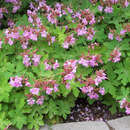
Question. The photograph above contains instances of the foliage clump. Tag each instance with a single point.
(54, 54)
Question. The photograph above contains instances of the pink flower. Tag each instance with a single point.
(93, 62)
(118, 38)
(63, 12)
(78, 15)
(26, 34)
(27, 84)
(70, 10)
(53, 39)
(35, 91)
(36, 59)
(126, 3)
(51, 18)
(110, 36)
(98, 80)
(38, 21)
(114, 1)
(67, 86)
(69, 76)
(56, 87)
(127, 110)
(49, 90)
(122, 103)
(16, 81)
(31, 101)
(0, 44)
(83, 62)
(93, 95)
(40, 100)
(26, 61)
(30, 19)
(100, 8)
(89, 89)
(70, 40)
(100, 75)
(31, 5)
(115, 55)
(102, 91)
(43, 33)
(1, 15)
(90, 37)
(24, 45)
(108, 9)
(10, 23)
(92, 21)
(10, 42)
(122, 32)
(84, 89)
(55, 65)
(15, 8)
(33, 36)
(84, 21)
(47, 66)
(81, 31)
(70, 63)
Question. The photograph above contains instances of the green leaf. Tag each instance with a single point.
(5, 88)
(113, 109)
(22, 20)
(75, 91)
(19, 120)
(64, 108)
(123, 71)
(4, 122)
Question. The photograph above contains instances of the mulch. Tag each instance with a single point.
(83, 111)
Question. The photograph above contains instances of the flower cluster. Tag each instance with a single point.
(16, 4)
(39, 100)
(46, 86)
(35, 96)
(119, 36)
(107, 5)
(28, 33)
(86, 17)
(50, 86)
(93, 45)
(70, 40)
(2, 11)
(11, 23)
(34, 91)
(90, 84)
(115, 55)
(90, 60)
(100, 75)
(81, 30)
(125, 104)
(29, 59)
(33, 18)
(19, 82)
(51, 64)
(69, 69)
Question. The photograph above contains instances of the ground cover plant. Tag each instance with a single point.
(53, 54)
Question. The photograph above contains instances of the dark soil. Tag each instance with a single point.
(83, 111)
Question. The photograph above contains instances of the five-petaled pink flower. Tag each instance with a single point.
(35, 91)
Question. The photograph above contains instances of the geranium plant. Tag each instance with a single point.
(54, 54)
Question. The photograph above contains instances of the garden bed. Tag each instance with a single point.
(83, 111)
